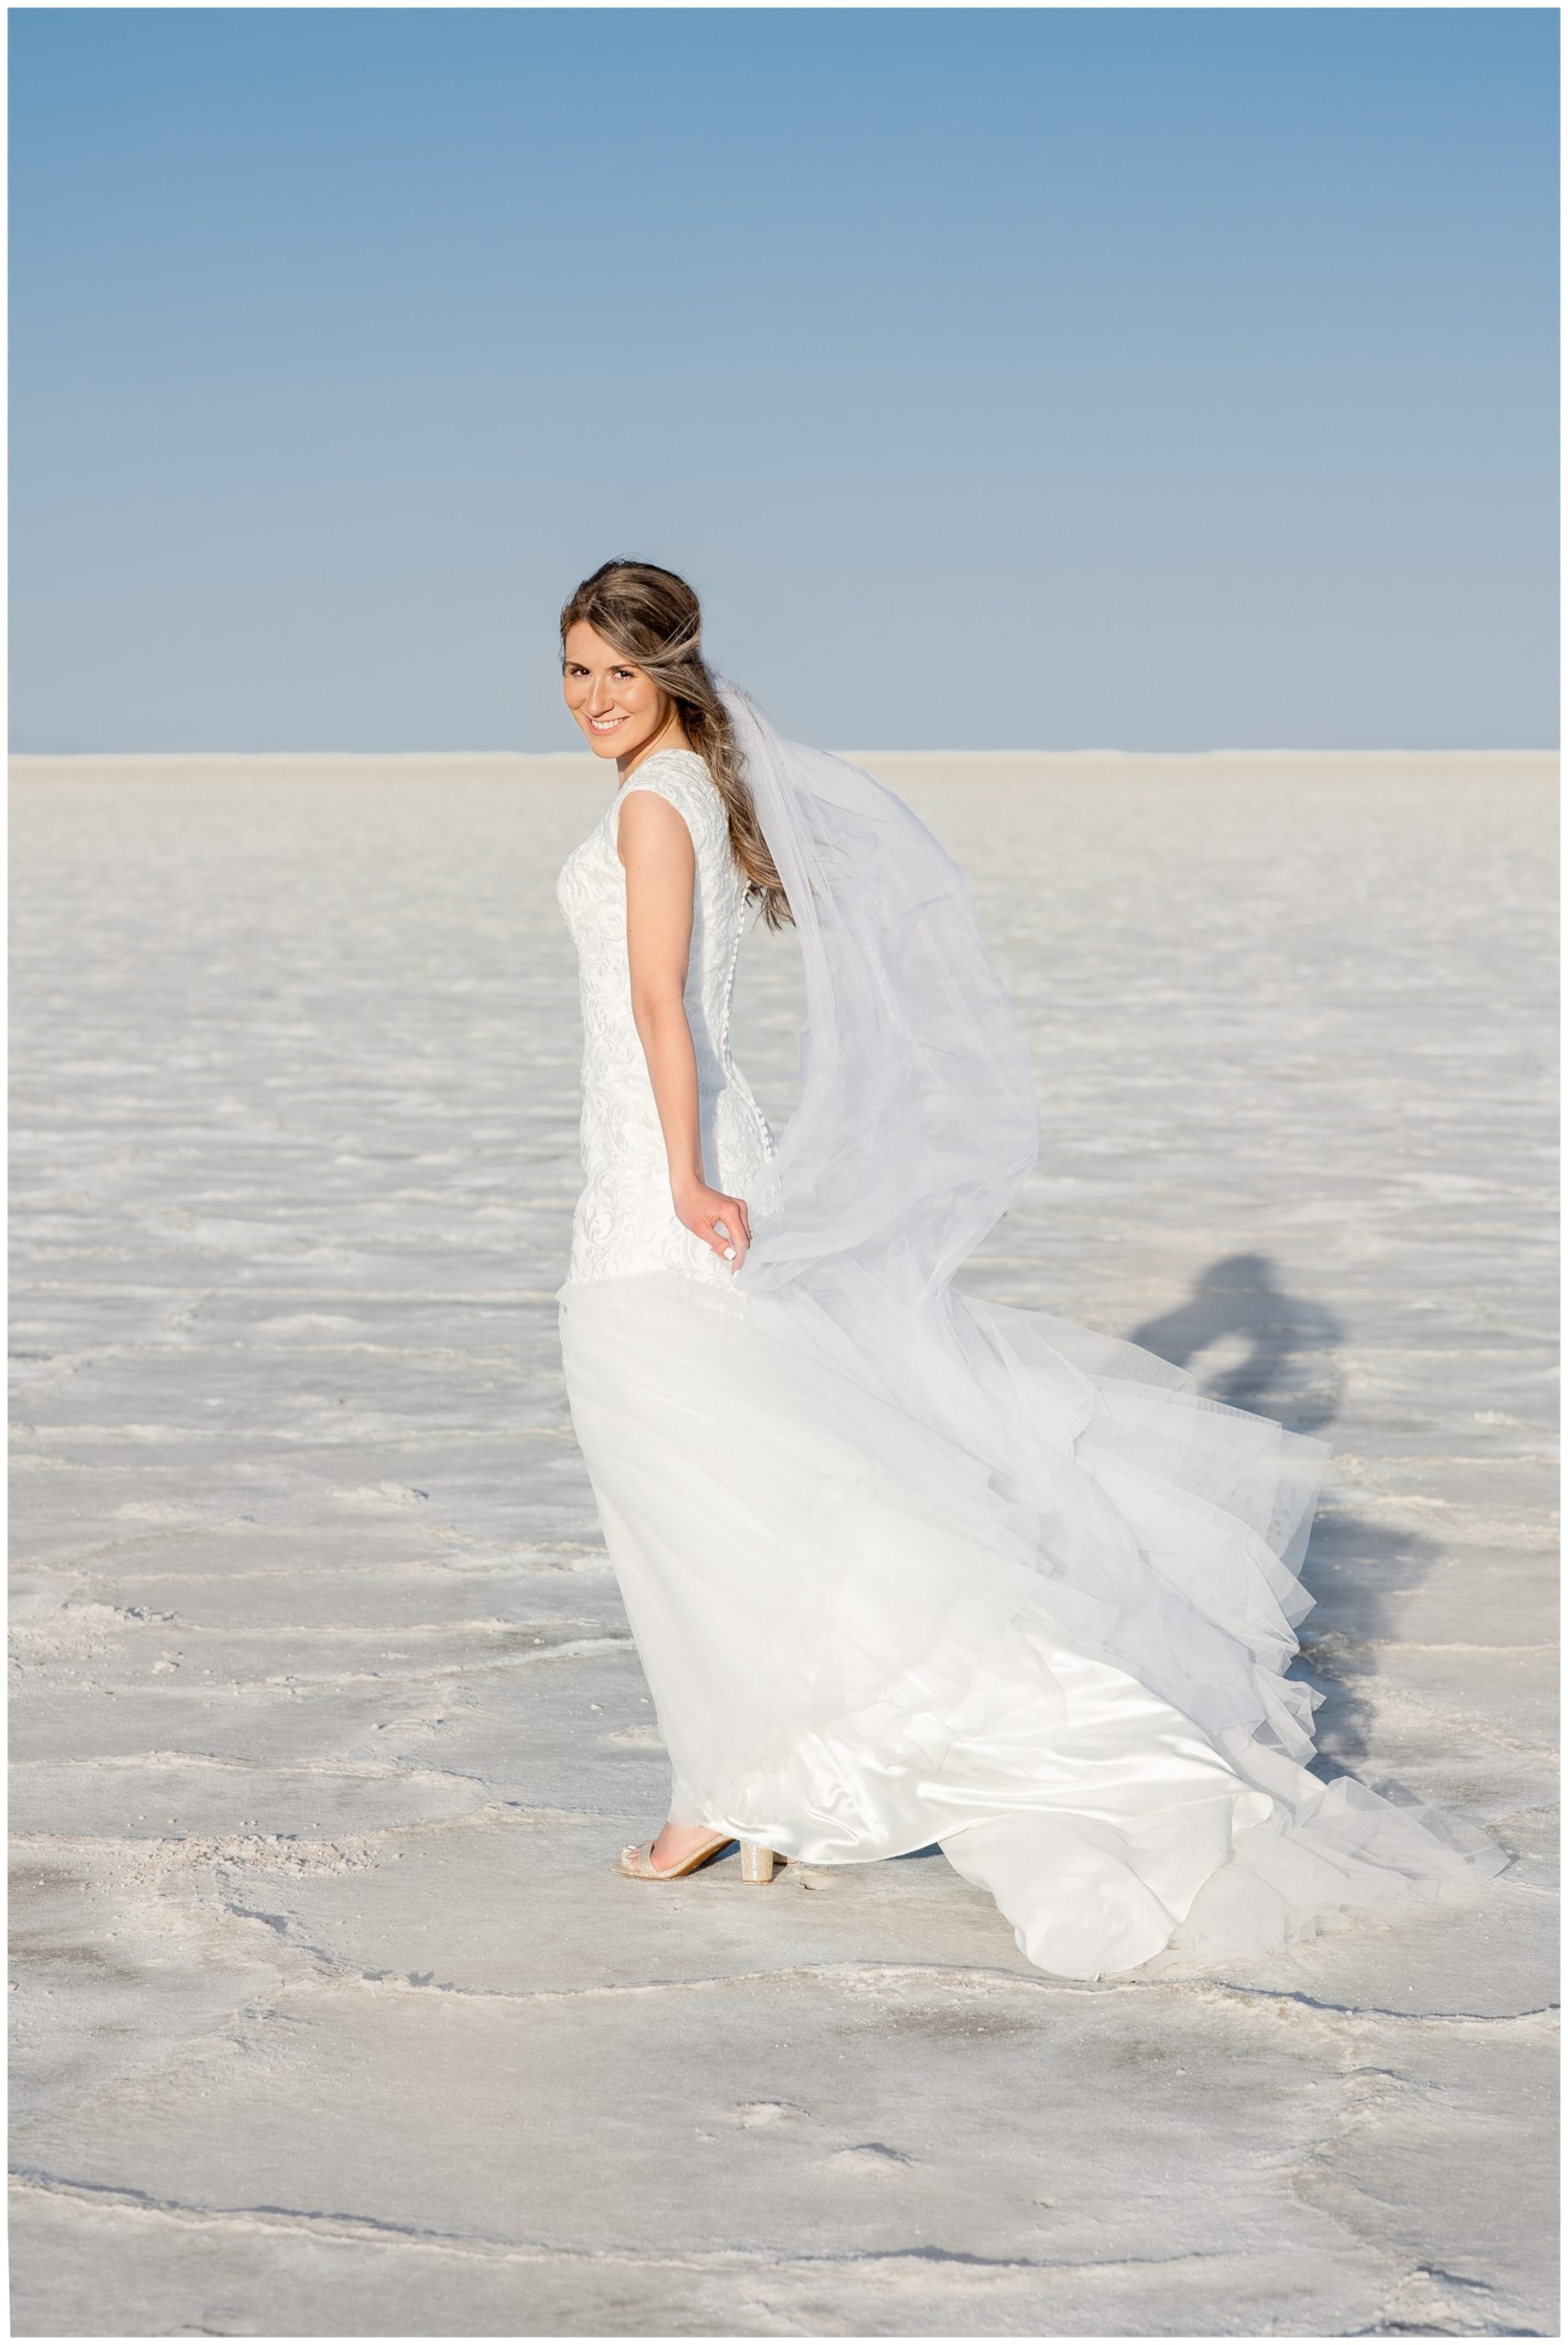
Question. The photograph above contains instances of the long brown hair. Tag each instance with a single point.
(654, 619)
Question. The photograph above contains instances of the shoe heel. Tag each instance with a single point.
(755, 1862)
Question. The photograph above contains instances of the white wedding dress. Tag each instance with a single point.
(1056, 1647)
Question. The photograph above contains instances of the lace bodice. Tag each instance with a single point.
(624, 1222)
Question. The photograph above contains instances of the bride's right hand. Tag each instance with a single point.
(719, 1221)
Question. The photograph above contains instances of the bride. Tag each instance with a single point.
(902, 1566)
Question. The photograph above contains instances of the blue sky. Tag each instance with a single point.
(1003, 378)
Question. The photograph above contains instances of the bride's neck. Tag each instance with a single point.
(671, 737)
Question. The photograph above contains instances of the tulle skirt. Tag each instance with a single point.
(1040, 1616)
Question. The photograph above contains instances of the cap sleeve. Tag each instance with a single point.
(693, 796)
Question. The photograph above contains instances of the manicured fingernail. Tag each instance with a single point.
(729, 1253)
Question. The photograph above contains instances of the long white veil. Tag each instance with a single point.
(1167, 1529)
(914, 1127)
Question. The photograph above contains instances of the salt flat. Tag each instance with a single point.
(329, 2017)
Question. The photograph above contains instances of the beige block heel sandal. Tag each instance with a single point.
(755, 1862)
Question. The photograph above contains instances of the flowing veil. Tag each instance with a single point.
(1165, 1530)
(916, 1122)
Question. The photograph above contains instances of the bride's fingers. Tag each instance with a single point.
(731, 1235)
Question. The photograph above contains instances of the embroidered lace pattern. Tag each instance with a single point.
(624, 1222)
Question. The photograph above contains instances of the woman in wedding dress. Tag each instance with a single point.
(902, 1567)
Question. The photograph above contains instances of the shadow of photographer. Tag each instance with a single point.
(1254, 1345)
(1270, 1350)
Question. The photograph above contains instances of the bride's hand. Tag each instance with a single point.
(719, 1221)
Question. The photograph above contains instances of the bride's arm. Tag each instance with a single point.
(655, 846)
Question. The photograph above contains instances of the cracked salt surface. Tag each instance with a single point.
(331, 2018)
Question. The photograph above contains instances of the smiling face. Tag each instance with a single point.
(620, 708)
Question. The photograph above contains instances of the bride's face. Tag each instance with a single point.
(618, 705)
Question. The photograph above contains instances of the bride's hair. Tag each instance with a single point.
(655, 619)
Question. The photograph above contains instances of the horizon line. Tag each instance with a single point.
(193, 756)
